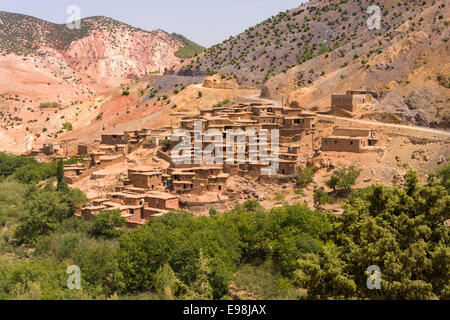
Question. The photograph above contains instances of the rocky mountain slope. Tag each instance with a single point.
(305, 54)
(103, 49)
(407, 66)
(50, 74)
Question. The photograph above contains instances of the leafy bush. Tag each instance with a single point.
(180, 240)
(402, 231)
(107, 224)
(68, 126)
(45, 209)
(321, 198)
(305, 176)
(49, 105)
(35, 172)
(343, 179)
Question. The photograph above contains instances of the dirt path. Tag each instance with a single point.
(366, 122)
(392, 125)
(257, 97)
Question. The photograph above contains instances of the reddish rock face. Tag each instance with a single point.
(42, 62)
(111, 55)
(103, 50)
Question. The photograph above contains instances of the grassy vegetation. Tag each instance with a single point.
(265, 282)
(67, 126)
(47, 105)
(222, 103)
(288, 252)
(190, 48)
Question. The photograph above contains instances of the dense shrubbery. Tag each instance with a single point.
(9, 164)
(26, 169)
(190, 48)
(400, 230)
(45, 209)
(288, 252)
(51, 105)
(305, 176)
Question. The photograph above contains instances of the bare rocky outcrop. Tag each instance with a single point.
(221, 81)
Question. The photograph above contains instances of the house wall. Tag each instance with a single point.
(287, 168)
(349, 102)
(85, 149)
(342, 101)
(132, 201)
(343, 144)
(353, 132)
(145, 181)
(113, 139)
(164, 204)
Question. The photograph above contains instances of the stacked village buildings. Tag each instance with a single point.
(147, 192)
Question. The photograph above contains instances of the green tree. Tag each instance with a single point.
(68, 126)
(343, 179)
(305, 176)
(185, 242)
(444, 175)
(321, 198)
(252, 205)
(400, 230)
(45, 210)
(62, 184)
(107, 224)
(166, 283)
(213, 211)
(165, 145)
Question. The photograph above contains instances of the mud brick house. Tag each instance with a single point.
(145, 177)
(108, 159)
(96, 206)
(162, 200)
(85, 148)
(96, 157)
(52, 148)
(297, 125)
(37, 152)
(155, 139)
(265, 109)
(135, 208)
(218, 183)
(352, 101)
(187, 123)
(113, 138)
(350, 140)
(72, 171)
(198, 179)
(124, 198)
(270, 119)
(287, 166)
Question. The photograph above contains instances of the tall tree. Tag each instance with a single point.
(62, 184)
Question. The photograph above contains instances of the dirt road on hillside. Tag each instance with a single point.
(366, 122)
